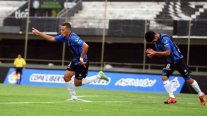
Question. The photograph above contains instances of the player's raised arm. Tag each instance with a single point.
(43, 35)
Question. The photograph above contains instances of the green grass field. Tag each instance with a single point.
(18, 100)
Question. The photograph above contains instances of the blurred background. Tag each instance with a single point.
(114, 30)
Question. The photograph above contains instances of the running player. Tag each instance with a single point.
(175, 61)
(79, 65)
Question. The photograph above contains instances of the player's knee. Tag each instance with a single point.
(67, 78)
(78, 83)
(189, 80)
(164, 78)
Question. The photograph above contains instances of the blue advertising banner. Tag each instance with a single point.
(117, 81)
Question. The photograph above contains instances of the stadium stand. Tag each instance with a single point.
(161, 15)
(202, 13)
(8, 7)
(184, 10)
(115, 10)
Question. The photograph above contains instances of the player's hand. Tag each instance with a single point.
(82, 62)
(35, 31)
(150, 52)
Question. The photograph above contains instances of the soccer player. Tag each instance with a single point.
(79, 65)
(175, 61)
(19, 64)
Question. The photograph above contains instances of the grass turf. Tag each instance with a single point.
(16, 100)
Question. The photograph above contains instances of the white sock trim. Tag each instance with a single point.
(168, 88)
(71, 87)
(197, 88)
(89, 79)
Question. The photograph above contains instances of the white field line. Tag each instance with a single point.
(84, 100)
(79, 99)
(29, 102)
(114, 96)
(87, 101)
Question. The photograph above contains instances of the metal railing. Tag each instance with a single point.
(107, 66)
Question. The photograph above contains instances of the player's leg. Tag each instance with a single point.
(20, 76)
(168, 87)
(167, 71)
(81, 76)
(18, 73)
(68, 77)
(90, 79)
(196, 87)
(185, 72)
(70, 84)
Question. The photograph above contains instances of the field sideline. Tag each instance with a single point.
(18, 100)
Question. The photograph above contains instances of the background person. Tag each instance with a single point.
(19, 64)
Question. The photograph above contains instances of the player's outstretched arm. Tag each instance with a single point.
(43, 35)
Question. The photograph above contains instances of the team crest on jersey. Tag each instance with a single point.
(165, 43)
(76, 40)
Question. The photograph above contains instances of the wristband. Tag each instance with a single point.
(81, 59)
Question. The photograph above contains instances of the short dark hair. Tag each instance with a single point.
(149, 36)
(66, 24)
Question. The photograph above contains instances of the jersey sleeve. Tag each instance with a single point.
(59, 38)
(15, 61)
(24, 62)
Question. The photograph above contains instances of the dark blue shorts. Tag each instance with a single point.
(19, 71)
(181, 67)
(80, 71)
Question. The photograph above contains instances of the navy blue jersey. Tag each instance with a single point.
(165, 43)
(74, 43)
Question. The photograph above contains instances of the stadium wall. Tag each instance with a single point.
(198, 28)
(117, 81)
(145, 82)
(3, 73)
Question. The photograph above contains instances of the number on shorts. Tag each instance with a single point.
(167, 66)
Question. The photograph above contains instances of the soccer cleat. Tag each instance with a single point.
(170, 101)
(103, 76)
(73, 98)
(202, 100)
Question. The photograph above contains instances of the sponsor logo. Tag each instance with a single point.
(101, 82)
(135, 82)
(175, 84)
(13, 77)
(21, 14)
(46, 78)
(36, 4)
